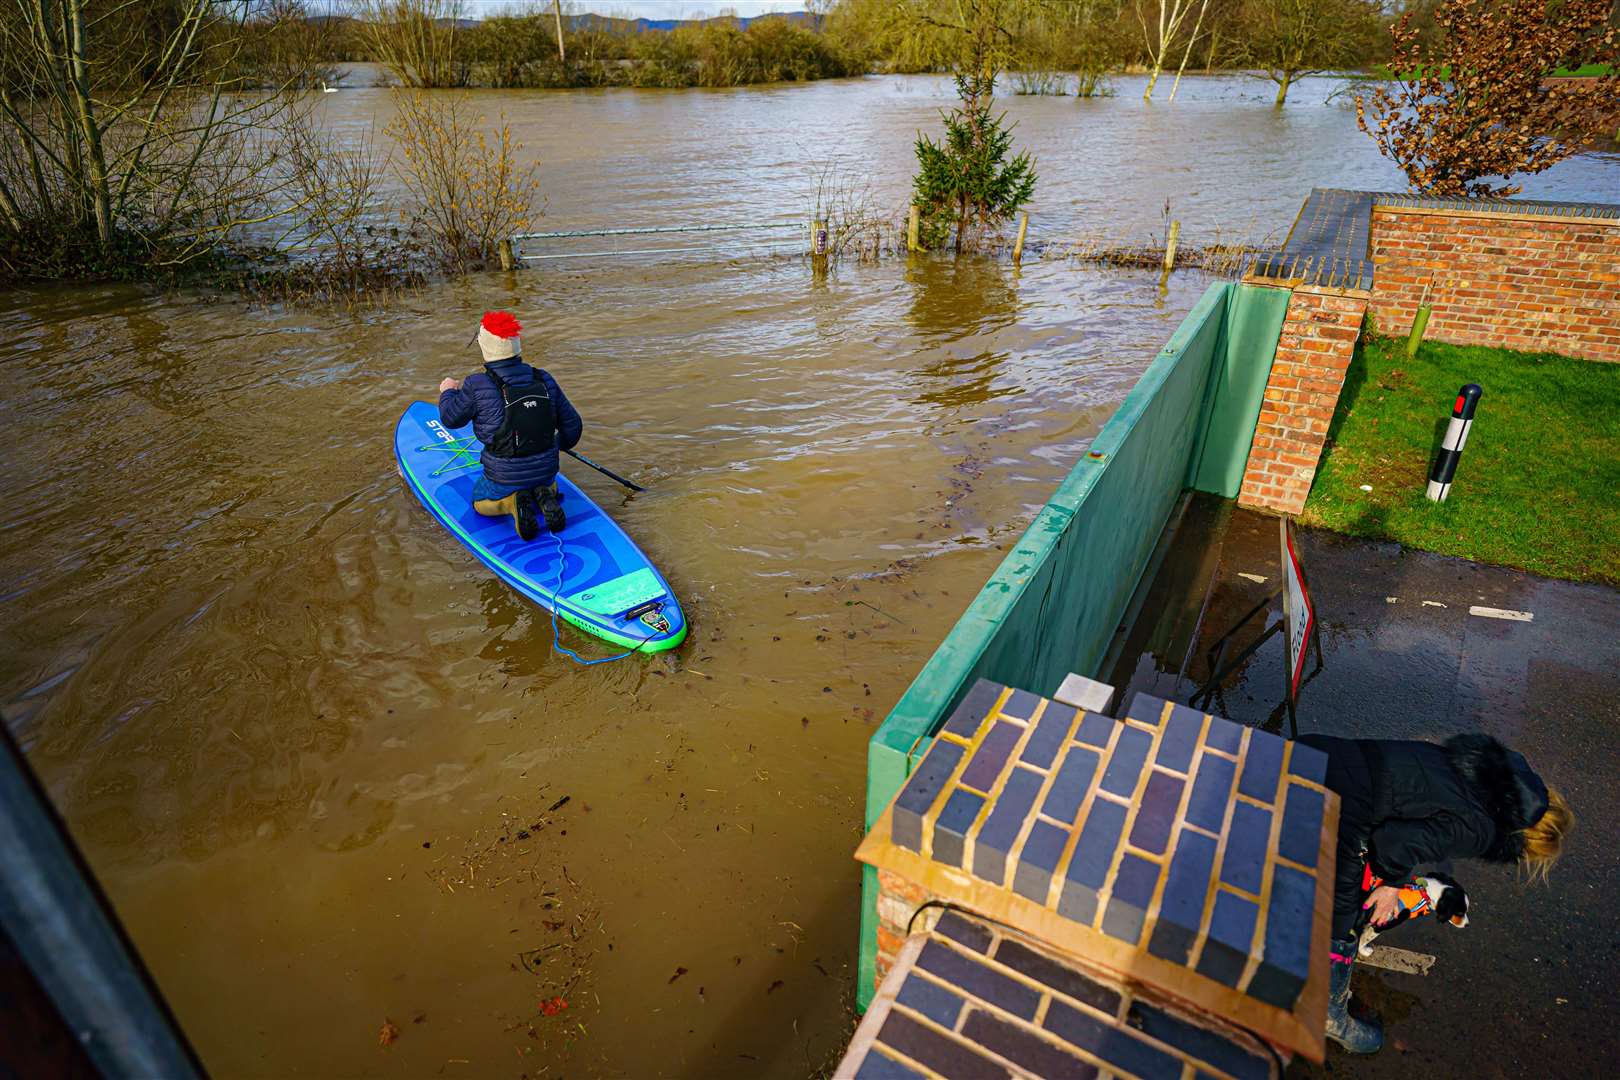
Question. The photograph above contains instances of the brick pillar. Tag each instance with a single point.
(1318, 338)
(899, 899)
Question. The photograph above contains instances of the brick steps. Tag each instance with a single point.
(1180, 847)
(969, 998)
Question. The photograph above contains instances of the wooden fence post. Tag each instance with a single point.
(1018, 245)
(507, 255)
(913, 223)
(1420, 323)
(1170, 253)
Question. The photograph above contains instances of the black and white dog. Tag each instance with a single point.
(1427, 894)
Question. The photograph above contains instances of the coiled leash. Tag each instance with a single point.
(556, 631)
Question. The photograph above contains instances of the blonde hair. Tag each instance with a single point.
(1543, 842)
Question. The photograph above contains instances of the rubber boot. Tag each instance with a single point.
(551, 508)
(1356, 1036)
(519, 505)
(524, 515)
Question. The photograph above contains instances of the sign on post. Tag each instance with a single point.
(1299, 615)
(1298, 627)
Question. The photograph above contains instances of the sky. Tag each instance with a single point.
(651, 9)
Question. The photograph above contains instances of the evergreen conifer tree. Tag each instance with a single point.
(966, 179)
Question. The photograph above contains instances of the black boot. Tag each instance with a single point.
(1356, 1036)
(523, 515)
(551, 508)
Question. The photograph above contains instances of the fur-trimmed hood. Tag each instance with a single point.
(1504, 784)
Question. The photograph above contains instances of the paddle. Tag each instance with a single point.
(605, 472)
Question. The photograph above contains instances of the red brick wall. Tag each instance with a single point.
(1318, 339)
(1515, 281)
(898, 899)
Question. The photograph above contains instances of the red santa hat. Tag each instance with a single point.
(498, 336)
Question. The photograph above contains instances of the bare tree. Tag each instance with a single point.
(468, 191)
(1162, 22)
(1289, 39)
(416, 40)
(944, 35)
(292, 49)
(1054, 36)
(339, 184)
(138, 126)
(1482, 103)
(818, 10)
(1223, 23)
(1192, 39)
(1097, 44)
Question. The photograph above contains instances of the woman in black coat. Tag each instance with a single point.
(1407, 804)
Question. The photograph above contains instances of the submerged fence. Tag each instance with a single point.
(748, 238)
(866, 237)
(1053, 604)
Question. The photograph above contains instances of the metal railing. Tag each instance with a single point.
(521, 243)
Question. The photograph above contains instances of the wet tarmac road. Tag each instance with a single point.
(1526, 990)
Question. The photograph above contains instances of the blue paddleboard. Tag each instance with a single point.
(608, 587)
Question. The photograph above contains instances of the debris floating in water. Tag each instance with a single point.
(388, 1034)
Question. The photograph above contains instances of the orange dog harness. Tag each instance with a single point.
(1413, 900)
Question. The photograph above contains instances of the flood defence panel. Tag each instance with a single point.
(1254, 319)
(1053, 604)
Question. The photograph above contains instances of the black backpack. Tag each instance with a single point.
(530, 424)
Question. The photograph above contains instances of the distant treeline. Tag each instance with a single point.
(433, 43)
(427, 43)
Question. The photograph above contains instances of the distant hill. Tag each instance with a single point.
(635, 26)
(612, 24)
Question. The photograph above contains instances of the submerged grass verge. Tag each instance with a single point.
(1538, 487)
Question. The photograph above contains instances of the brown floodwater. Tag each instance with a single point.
(332, 772)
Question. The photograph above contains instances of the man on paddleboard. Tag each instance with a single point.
(523, 419)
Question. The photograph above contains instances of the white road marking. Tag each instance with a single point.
(1258, 579)
(1433, 603)
(1501, 613)
(1391, 599)
(1392, 959)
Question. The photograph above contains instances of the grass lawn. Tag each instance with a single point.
(1585, 71)
(1538, 486)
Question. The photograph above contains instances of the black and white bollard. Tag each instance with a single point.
(1445, 465)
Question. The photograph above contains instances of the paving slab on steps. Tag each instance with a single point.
(967, 998)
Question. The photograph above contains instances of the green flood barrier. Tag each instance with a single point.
(1054, 603)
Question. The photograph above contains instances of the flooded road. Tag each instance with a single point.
(333, 774)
